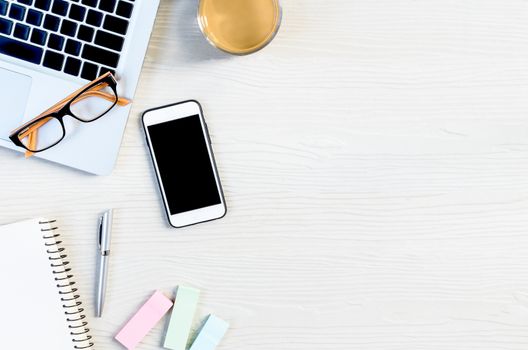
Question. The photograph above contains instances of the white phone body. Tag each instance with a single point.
(168, 116)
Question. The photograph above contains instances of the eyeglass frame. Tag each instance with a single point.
(65, 110)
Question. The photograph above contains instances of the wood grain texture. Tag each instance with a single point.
(374, 160)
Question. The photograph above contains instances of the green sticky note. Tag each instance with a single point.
(181, 318)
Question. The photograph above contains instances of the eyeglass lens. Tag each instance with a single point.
(50, 132)
(94, 102)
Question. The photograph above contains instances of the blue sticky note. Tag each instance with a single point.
(211, 334)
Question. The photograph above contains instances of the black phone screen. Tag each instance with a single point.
(185, 168)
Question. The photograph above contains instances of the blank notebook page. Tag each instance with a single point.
(32, 314)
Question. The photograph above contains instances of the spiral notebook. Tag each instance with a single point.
(40, 306)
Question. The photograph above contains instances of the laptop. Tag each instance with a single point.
(50, 48)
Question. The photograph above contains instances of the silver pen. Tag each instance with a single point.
(105, 230)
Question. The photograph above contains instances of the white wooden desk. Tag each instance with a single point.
(375, 164)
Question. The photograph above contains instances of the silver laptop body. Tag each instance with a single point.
(97, 35)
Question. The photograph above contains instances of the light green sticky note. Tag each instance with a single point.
(181, 318)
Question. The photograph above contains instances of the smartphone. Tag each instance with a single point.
(181, 151)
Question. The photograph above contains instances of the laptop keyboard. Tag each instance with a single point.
(81, 38)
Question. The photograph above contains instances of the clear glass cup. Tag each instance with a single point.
(239, 27)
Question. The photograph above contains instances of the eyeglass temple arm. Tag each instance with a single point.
(32, 142)
(121, 101)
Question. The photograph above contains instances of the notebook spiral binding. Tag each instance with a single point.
(72, 305)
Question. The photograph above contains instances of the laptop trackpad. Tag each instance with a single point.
(13, 100)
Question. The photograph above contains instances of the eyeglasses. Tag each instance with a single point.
(86, 105)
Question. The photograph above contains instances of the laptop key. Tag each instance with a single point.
(85, 33)
(98, 55)
(107, 5)
(72, 66)
(109, 40)
(124, 9)
(104, 70)
(56, 42)
(38, 36)
(17, 12)
(89, 71)
(25, 2)
(43, 4)
(73, 47)
(20, 50)
(94, 18)
(34, 17)
(3, 7)
(53, 60)
(5, 26)
(21, 31)
(51, 22)
(59, 7)
(115, 24)
(92, 3)
(68, 28)
(77, 12)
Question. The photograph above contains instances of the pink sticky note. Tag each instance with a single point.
(143, 321)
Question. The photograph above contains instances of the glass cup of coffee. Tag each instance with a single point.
(239, 27)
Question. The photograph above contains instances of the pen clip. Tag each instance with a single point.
(100, 240)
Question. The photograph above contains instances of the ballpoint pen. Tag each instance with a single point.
(105, 230)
